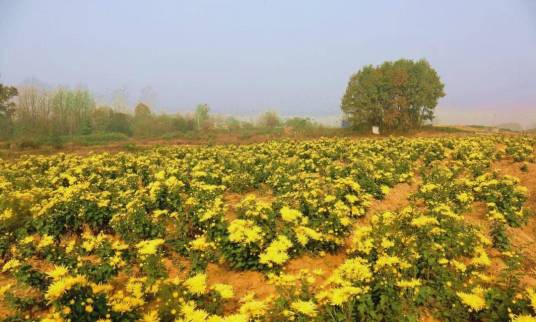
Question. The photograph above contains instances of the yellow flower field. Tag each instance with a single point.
(137, 236)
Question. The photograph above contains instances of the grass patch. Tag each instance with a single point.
(447, 129)
(131, 147)
(96, 139)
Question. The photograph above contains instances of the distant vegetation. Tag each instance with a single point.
(398, 95)
(516, 127)
(7, 107)
(32, 116)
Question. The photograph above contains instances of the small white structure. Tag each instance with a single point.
(376, 130)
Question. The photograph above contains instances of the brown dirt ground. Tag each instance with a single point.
(327, 264)
(242, 283)
(177, 266)
(477, 217)
(397, 198)
(231, 199)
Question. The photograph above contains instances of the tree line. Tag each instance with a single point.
(399, 95)
(36, 112)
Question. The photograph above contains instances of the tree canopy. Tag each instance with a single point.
(394, 95)
(269, 119)
(7, 108)
(6, 105)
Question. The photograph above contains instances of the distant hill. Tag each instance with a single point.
(516, 127)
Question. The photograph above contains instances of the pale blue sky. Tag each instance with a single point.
(242, 57)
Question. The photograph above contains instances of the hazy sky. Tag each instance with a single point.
(295, 57)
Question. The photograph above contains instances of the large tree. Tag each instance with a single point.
(394, 95)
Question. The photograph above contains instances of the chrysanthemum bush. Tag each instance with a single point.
(458, 185)
(504, 197)
(443, 184)
(418, 258)
(129, 237)
(520, 149)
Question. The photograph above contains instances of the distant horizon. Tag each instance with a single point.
(246, 57)
(443, 115)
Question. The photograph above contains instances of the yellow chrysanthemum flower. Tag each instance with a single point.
(225, 290)
(197, 284)
(149, 247)
(58, 272)
(305, 307)
(524, 318)
(276, 253)
(475, 302)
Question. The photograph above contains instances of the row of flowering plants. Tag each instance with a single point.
(129, 236)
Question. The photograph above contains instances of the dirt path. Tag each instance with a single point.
(242, 282)
(397, 198)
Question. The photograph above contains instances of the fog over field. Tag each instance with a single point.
(244, 57)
